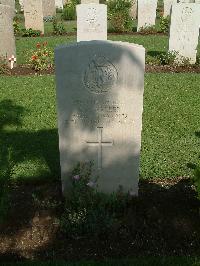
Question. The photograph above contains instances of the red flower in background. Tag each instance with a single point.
(38, 45)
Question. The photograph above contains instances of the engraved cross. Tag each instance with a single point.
(100, 144)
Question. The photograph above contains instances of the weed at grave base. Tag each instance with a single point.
(88, 212)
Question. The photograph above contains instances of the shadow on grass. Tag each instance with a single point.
(162, 221)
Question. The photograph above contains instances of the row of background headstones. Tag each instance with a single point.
(92, 23)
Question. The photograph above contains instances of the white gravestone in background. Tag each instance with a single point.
(7, 38)
(91, 22)
(49, 8)
(33, 15)
(146, 13)
(59, 4)
(100, 102)
(10, 3)
(167, 6)
(133, 11)
(184, 30)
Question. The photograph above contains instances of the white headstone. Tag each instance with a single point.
(33, 13)
(133, 12)
(59, 4)
(49, 8)
(7, 39)
(184, 30)
(10, 3)
(146, 13)
(100, 102)
(91, 22)
(167, 6)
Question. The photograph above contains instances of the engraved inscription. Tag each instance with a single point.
(92, 20)
(100, 144)
(106, 112)
(100, 75)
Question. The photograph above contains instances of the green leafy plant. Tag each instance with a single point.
(16, 26)
(164, 24)
(58, 27)
(30, 33)
(87, 211)
(168, 58)
(3, 65)
(119, 15)
(41, 58)
(48, 18)
(148, 30)
(69, 10)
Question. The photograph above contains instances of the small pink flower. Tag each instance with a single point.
(76, 177)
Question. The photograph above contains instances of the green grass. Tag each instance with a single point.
(153, 44)
(28, 128)
(173, 261)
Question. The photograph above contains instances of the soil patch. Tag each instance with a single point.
(163, 220)
(26, 70)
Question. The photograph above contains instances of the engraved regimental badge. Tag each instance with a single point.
(100, 75)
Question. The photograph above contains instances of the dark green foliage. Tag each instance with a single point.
(148, 30)
(164, 24)
(119, 15)
(88, 212)
(167, 58)
(30, 33)
(58, 27)
(69, 10)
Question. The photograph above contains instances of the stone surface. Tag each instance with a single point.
(167, 6)
(10, 3)
(146, 13)
(59, 4)
(89, 1)
(91, 22)
(33, 13)
(100, 102)
(7, 39)
(49, 8)
(184, 30)
(134, 9)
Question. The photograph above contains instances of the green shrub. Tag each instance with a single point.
(69, 10)
(41, 58)
(58, 27)
(167, 58)
(88, 212)
(119, 15)
(164, 24)
(148, 30)
(30, 33)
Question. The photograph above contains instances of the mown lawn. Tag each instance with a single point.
(153, 44)
(28, 127)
